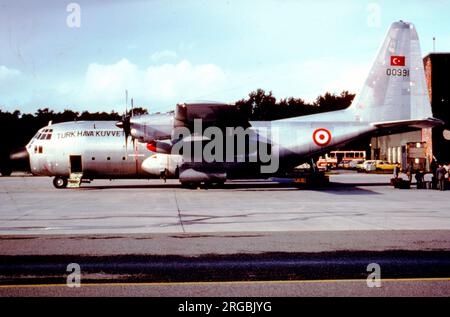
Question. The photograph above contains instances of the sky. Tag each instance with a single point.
(83, 55)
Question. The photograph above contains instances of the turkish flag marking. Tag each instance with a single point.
(398, 60)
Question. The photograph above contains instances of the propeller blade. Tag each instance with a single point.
(20, 160)
(132, 107)
(125, 125)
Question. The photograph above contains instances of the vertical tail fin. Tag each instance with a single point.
(395, 89)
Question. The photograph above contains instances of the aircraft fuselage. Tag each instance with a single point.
(95, 148)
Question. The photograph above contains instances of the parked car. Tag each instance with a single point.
(360, 166)
(365, 166)
(344, 164)
(370, 166)
(384, 166)
(355, 163)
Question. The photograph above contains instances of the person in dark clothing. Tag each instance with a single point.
(419, 179)
(396, 171)
(440, 175)
(433, 167)
(409, 171)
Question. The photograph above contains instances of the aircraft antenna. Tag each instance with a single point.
(132, 106)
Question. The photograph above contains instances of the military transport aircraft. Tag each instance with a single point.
(213, 142)
(393, 97)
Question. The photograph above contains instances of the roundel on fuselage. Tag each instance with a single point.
(322, 137)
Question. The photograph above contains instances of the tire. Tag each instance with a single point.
(220, 184)
(60, 182)
(185, 185)
(6, 172)
(214, 184)
(190, 185)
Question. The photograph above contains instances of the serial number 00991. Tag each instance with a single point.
(397, 72)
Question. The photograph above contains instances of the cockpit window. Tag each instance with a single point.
(45, 134)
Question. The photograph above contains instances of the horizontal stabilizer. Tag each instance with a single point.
(419, 124)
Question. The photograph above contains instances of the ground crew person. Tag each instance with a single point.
(396, 171)
(440, 175)
(419, 179)
(410, 172)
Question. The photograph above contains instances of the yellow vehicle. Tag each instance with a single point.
(384, 166)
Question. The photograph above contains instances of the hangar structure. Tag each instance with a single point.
(420, 147)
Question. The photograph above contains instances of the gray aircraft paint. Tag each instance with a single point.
(95, 142)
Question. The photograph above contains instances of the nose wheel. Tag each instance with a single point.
(60, 182)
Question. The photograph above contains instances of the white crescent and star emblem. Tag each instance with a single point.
(397, 60)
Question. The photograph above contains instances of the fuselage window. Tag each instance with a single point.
(93, 158)
(41, 150)
(108, 158)
(123, 158)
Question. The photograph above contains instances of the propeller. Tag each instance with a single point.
(125, 123)
(19, 154)
(20, 160)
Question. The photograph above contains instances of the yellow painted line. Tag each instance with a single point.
(434, 279)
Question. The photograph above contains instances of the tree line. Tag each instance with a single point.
(262, 106)
(18, 128)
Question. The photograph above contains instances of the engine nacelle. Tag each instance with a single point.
(164, 146)
(162, 164)
(149, 128)
(211, 114)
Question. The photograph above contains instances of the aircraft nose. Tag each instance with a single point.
(20, 159)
